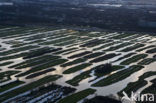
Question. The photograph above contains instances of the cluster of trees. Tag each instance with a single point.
(50, 12)
(41, 51)
(104, 68)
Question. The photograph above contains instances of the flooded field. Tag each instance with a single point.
(41, 64)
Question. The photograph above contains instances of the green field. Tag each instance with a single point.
(51, 64)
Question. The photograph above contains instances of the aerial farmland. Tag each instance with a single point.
(64, 65)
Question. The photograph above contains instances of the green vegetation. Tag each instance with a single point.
(121, 36)
(118, 46)
(58, 40)
(104, 46)
(147, 61)
(118, 76)
(151, 50)
(125, 56)
(93, 55)
(40, 73)
(75, 81)
(35, 62)
(76, 68)
(40, 52)
(74, 98)
(15, 31)
(30, 61)
(151, 46)
(93, 42)
(66, 43)
(37, 50)
(30, 86)
(134, 86)
(79, 54)
(136, 46)
(72, 51)
(32, 42)
(134, 59)
(151, 89)
(59, 35)
(102, 41)
(6, 63)
(147, 74)
(66, 50)
(132, 38)
(18, 50)
(102, 71)
(105, 57)
(22, 31)
(13, 56)
(43, 66)
(5, 76)
(10, 85)
(76, 61)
